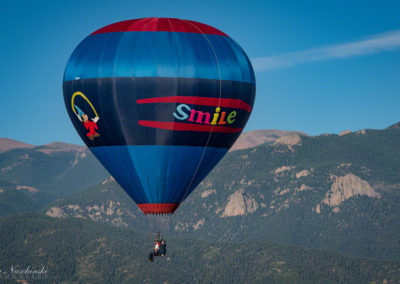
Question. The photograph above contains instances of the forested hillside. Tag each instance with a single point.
(76, 250)
(331, 192)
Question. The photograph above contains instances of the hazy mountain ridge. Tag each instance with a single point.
(254, 138)
(7, 144)
(333, 192)
(395, 126)
(33, 176)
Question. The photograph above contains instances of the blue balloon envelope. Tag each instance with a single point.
(159, 102)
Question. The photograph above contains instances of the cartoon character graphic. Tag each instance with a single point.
(90, 125)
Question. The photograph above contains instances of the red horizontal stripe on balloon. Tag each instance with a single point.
(158, 208)
(180, 126)
(231, 103)
(160, 25)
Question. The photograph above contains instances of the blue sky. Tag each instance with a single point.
(321, 66)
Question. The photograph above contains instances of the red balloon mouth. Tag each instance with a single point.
(158, 208)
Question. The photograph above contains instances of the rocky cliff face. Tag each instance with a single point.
(239, 203)
(289, 141)
(345, 132)
(345, 187)
(106, 212)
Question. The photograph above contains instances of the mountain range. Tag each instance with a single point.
(31, 176)
(304, 194)
(329, 192)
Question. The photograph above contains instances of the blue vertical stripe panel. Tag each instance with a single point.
(167, 174)
(159, 54)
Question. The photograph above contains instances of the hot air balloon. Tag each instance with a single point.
(159, 101)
